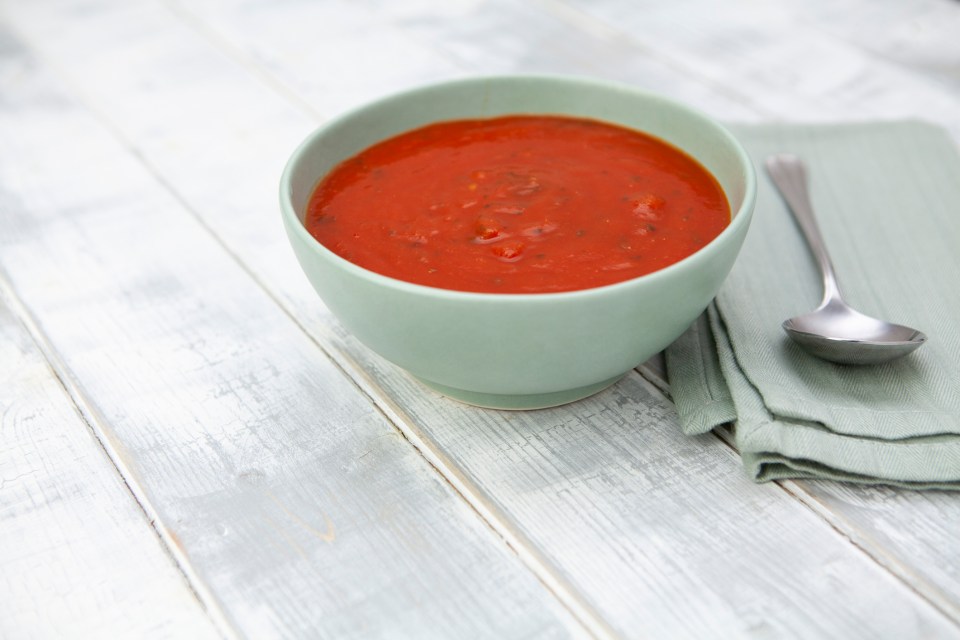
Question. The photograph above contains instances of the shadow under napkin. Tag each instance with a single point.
(887, 196)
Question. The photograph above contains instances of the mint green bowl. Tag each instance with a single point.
(519, 351)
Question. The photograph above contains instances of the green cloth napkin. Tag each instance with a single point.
(887, 196)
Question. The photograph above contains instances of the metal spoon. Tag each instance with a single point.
(833, 331)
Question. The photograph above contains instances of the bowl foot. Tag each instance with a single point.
(520, 401)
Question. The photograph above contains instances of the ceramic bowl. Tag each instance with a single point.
(519, 351)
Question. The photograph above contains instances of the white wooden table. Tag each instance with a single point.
(191, 447)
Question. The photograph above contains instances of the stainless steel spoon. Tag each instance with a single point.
(833, 331)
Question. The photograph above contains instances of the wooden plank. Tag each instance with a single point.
(919, 36)
(295, 506)
(383, 46)
(626, 522)
(659, 522)
(770, 55)
(352, 55)
(913, 534)
(80, 558)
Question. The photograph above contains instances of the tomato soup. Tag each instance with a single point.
(517, 204)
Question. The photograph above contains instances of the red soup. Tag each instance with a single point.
(517, 204)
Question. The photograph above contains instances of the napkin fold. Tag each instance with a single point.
(887, 197)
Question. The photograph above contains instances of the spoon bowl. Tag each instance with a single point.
(834, 331)
(839, 333)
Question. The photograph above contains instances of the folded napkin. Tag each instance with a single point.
(887, 197)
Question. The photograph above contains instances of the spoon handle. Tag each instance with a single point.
(789, 173)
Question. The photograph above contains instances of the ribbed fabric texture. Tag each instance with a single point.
(887, 197)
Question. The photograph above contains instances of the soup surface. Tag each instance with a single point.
(517, 204)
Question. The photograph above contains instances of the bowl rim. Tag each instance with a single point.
(739, 218)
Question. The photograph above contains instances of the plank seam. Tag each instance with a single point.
(482, 506)
(93, 420)
(799, 491)
(873, 550)
(592, 24)
(251, 66)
